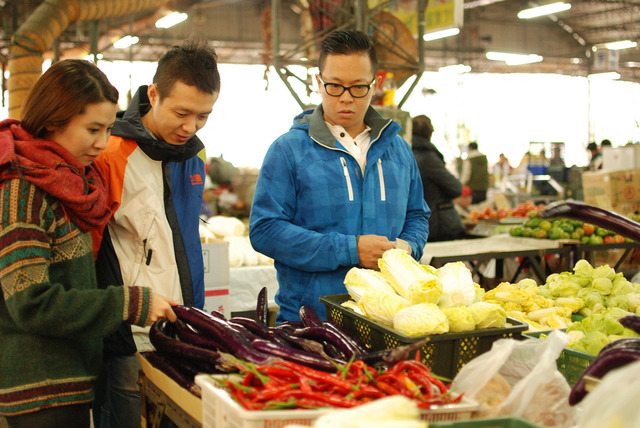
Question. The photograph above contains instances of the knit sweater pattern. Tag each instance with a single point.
(52, 316)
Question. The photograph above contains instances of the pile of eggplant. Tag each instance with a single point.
(615, 354)
(199, 342)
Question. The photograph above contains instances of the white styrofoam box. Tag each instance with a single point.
(220, 410)
(217, 299)
(621, 158)
(215, 255)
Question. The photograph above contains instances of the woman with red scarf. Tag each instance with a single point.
(52, 315)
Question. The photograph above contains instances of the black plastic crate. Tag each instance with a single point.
(444, 354)
(571, 362)
(486, 423)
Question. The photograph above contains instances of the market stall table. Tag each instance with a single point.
(499, 248)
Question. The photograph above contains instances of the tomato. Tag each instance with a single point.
(585, 240)
(588, 228)
(618, 239)
(602, 232)
(608, 239)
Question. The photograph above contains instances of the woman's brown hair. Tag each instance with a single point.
(62, 92)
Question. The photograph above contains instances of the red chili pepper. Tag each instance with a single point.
(423, 381)
(413, 365)
(304, 384)
(316, 375)
(239, 395)
(279, 372)
(332, 400)
(387, 388)
(271, 393)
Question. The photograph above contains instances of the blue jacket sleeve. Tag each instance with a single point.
(416, 225)
(271, 228)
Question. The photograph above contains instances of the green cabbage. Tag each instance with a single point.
(421, 320)
(460, 318)
(457, 285)
(381, 306)
(488, 315)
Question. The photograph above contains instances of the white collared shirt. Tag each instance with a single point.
(358, 147)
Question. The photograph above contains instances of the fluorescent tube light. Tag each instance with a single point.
(623, 44)
(513, 59)
(609, 75)
(457, 68)
(125, 42)
(547, 9)
(170, 20)
(441, 34)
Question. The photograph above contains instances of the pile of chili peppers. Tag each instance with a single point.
(288, 385)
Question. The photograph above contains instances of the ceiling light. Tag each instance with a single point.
(125, 42)
(441, 34)
(547, 9)
(513, 59)
(170, 20)
(90, 57)
(623, 44)
(457, 68)
(609, 75)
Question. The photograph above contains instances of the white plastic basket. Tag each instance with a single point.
(220, 410)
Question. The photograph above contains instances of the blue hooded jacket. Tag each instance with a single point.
(312, 201)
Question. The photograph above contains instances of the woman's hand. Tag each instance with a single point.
(161, 309)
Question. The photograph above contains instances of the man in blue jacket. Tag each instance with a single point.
(340, 187)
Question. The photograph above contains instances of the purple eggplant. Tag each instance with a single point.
(330, 336)
(221, 331)
(184, 380)
(603, 364)
(188, 334)
(309, 316)
(388, 357)
(631, 322)
(297, 356)
(167, 345)
(262, 307)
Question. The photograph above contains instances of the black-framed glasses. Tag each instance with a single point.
(356, 91)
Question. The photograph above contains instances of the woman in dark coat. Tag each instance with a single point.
(440, 185)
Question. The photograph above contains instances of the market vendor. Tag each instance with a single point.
(340, 187)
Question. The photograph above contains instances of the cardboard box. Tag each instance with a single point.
(215, 255)
(217, 299)
(621, 158)
(607, 189)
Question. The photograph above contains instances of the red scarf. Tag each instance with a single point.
(49, 166)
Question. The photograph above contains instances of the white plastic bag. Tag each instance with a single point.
(613, 403)
(520, 378)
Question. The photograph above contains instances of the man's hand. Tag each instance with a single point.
(370, 249)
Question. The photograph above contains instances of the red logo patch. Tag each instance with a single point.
(196, 179)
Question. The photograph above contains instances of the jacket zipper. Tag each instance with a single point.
(383, 193)
(347, 177)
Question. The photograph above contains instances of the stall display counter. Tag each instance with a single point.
(163, 400)
(531, 253)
